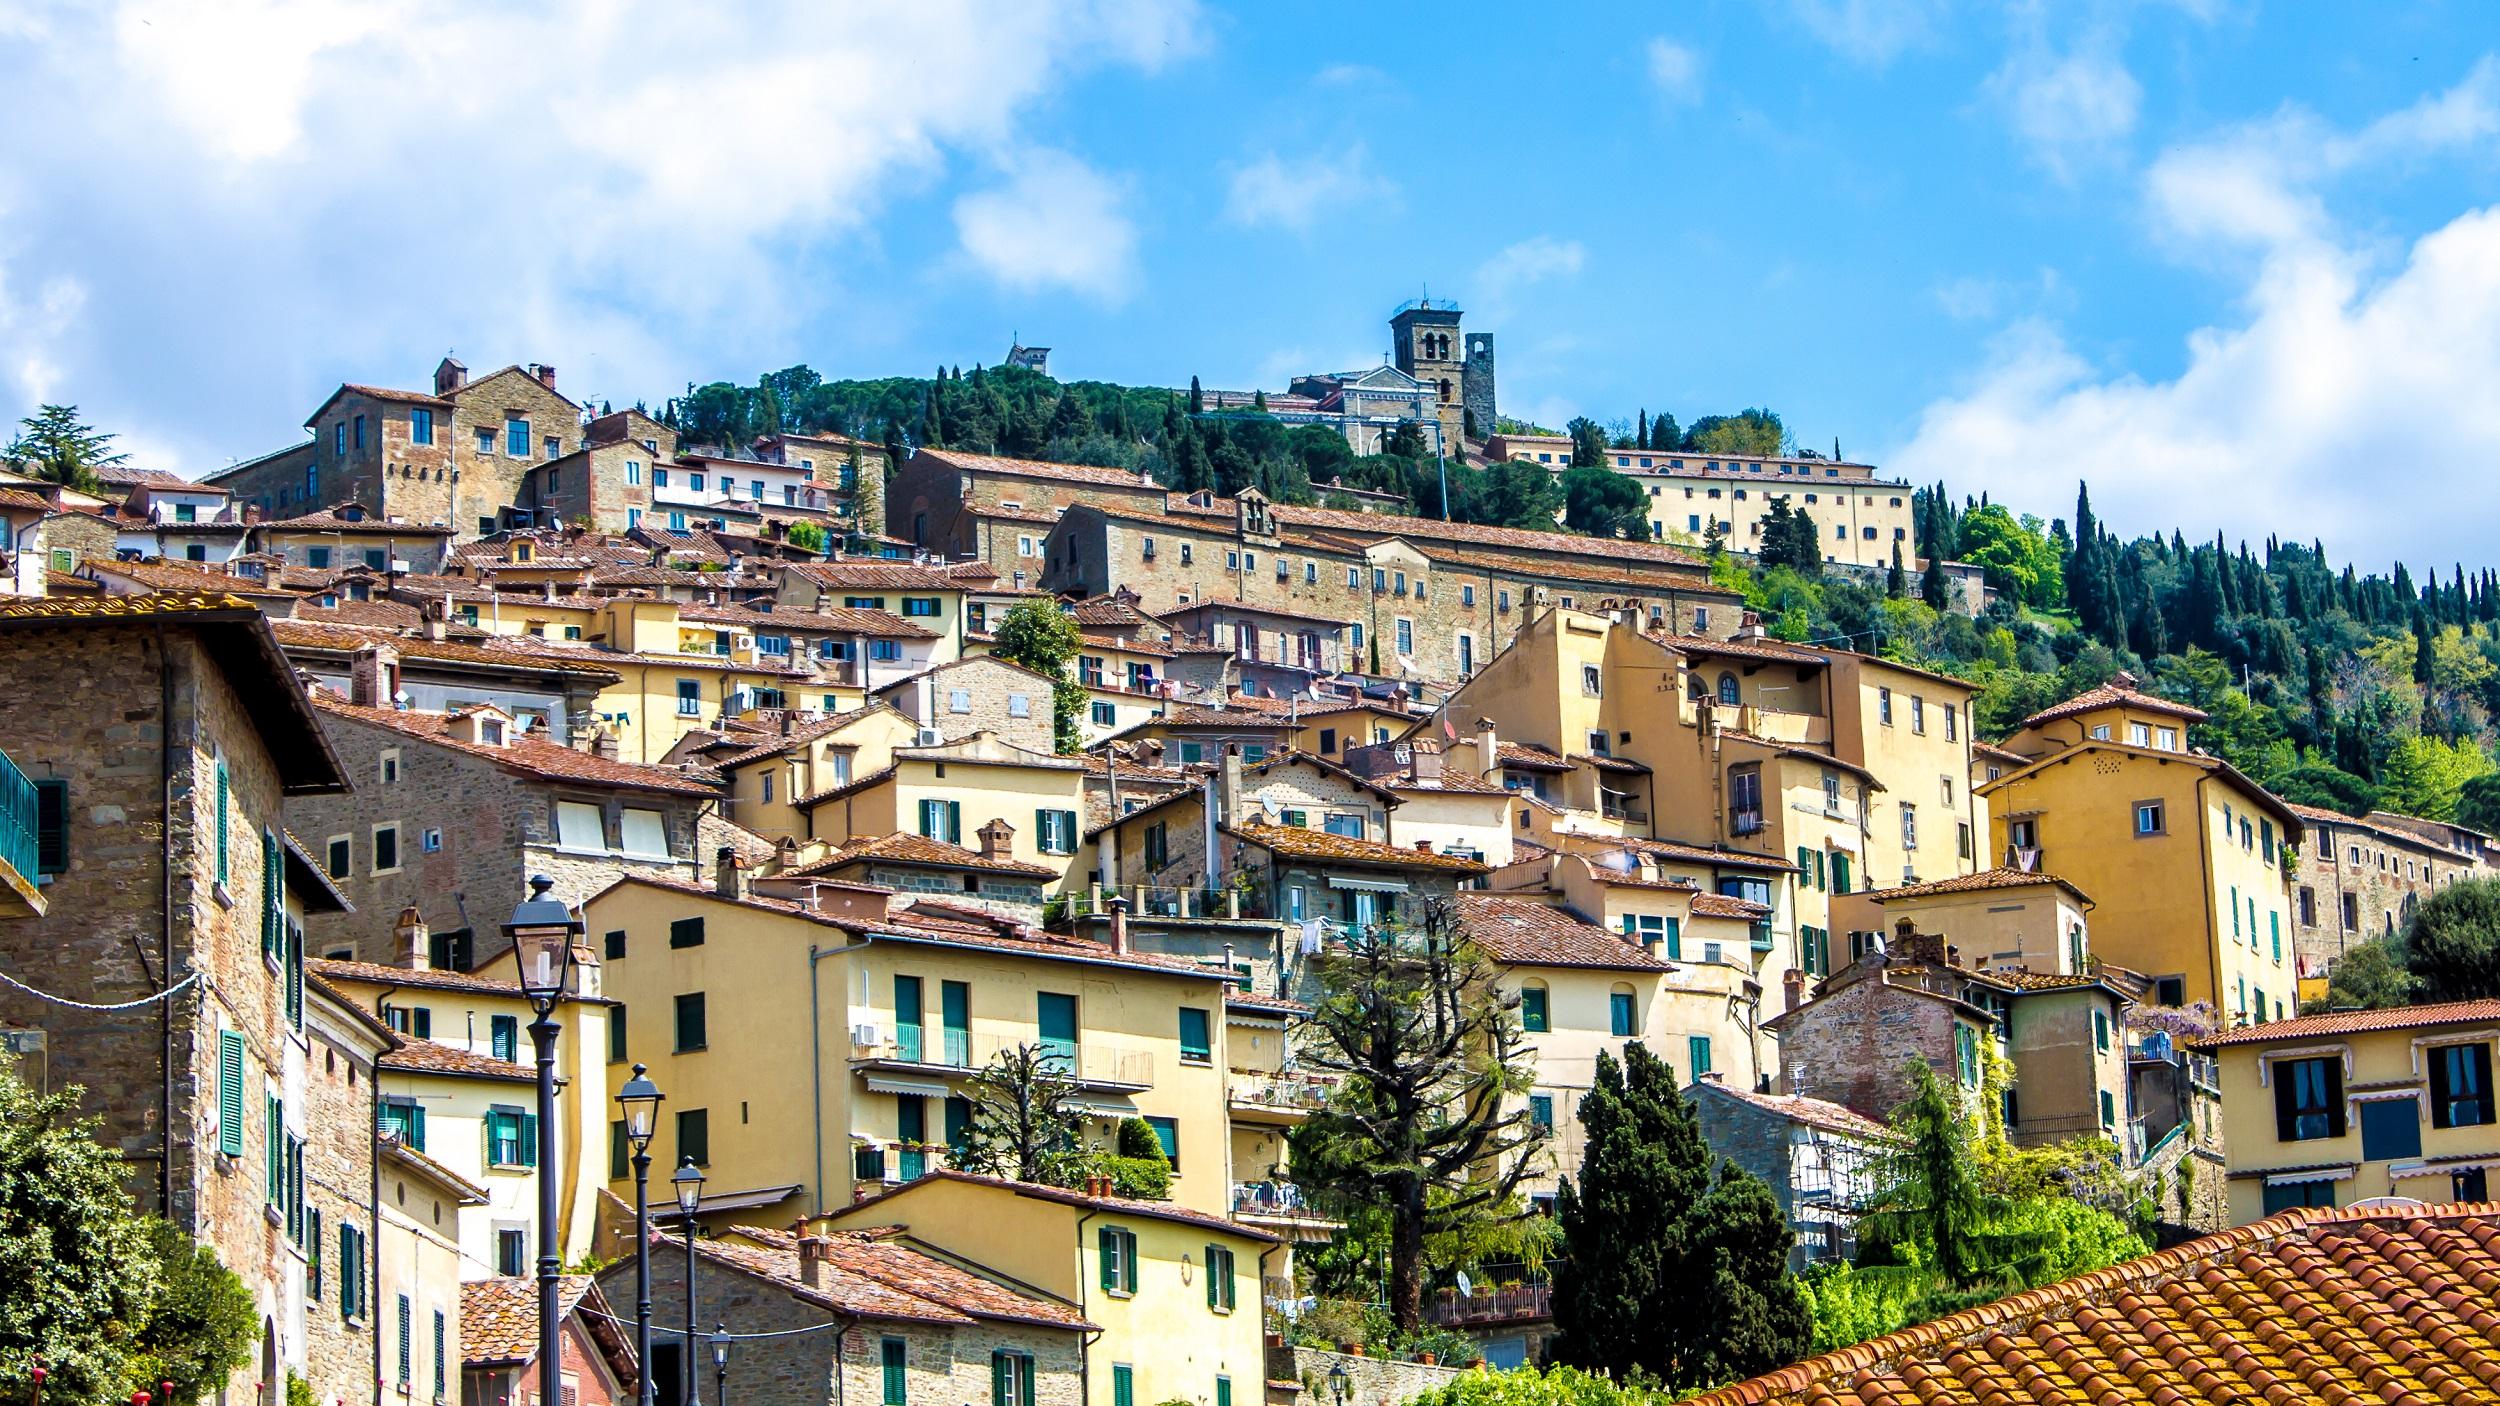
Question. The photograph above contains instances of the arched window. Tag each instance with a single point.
(1727, 690)
(1445, 390)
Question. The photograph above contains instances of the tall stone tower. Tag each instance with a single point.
(1425, 338)
(1478, 380)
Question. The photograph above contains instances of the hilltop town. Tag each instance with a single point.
(1016, 880)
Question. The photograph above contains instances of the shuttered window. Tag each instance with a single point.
(1116, 1252)
(230, 1092)
(894, 1356)
(1220, 1279)
(221, 822)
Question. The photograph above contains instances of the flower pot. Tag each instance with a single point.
(1426, 1358)
(1475, 1364)
(1352, 1349)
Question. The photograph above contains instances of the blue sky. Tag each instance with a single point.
(2233, 262)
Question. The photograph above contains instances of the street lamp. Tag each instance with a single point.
(1339, 1382)
(688, 1183)
(720, 1364)
(542, 932)
(640, 1098)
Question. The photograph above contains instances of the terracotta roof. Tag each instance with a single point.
(1985, 879)
(383, 974)
(1812, 1112)
(1109, 610)
(430, 1057)
(776, 743)
(37, 503)
(1377, 525)
(1272, 1005)
(179, 577)
(525, 753)
(298, 634)
(1772, 649)
(876, 575)
(1603, 762)
(1451, 778)
(1297, 842)
(1524, 932)
(870, 1276)
(2118, 692)
(365, 614)
(1115, 1205)
(831, 620)
(329, 520)
(2311, 1027)
(1993, 752)
(1235, 713)
(1044, 945)
(2379, 1304)
(1584, 571)
(1699, 854)
(1720, 905)
(903, 848)
(1529, 757)
(2022, 979)
(385, 393)
(499, 1317)
(1035, 468)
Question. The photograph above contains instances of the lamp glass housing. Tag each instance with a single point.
(688, 1182)
(640, 1098)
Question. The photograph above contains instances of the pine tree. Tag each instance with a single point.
(53, 444)
(1640, 430)
(1934, 587)
(1668, 1269)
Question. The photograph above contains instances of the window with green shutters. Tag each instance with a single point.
(1223, 1391)
(504, 1037)
(407, 1348)
(907, 1018)
(2100, 1030)
(620, 1151)
(275, 1146)
(272, 898)
(1840, 873)
(1167, 1132)
(1197, 1044)
(221, 822)
(511, 1138)
(1055, 831)
(955, 1022)
(1697, 1055)
(685, 932)
(1619, 1017)
(1011, 1378)
(691, 1034)
(894, 1356)
(351, 1273)
(942, 820)
(1115, 1252)
(2109, 1111)
(312, 1255)
(1123, 1384)
(230, 1092)
(1532, 1009)
(438, 1354)
(616, 1035)
(1219, 1279)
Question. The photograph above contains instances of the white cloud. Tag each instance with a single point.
(2071, 108)
(1056, 223)
(262, 195)
(1977, 298)
(1523, 265)
(1297, 194)
(32, 324)
(1869, 32)
(1675, 70)
(2349, 399)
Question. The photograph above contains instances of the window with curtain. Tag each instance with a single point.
(579, 825)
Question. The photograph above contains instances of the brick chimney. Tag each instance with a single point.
(1423, 846)
(411, 944)
(603, 745)
(997, 838)
(811, 1257)
(373, 676)
(1118, 904)
(1793, 987)
(729, 874)
(1488, 750)
(546, 375)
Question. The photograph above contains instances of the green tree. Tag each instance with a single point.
(807, 536)
(2017, 558)
(1750, 432)
(78, 1269)
(55, 445)
(1588, 443)
(2328, 788)
(1603, 503)
(204, 1325)
(2478, 803)
(1668, 1269)
(2370, 976)
(1040, 636)
(1426, 1125)
(1896, 580)
(2452, 946)
(1516, 493)
(1024, 1123)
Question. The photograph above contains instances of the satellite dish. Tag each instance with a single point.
(1466, 1286)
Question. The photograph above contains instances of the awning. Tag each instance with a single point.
(1105, 1105)
(2399, 1171)
(1842, 840)
(1339, 881)
(898, 1084)
(2308, 1174)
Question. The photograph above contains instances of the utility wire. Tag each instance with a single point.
(89, 1006)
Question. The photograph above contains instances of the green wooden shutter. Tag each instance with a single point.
(230, 1092)
(1123, 1384)
(1840, 873)
(893, 1351)
(954, 822)
(406, 1333)
(438, 1354)
(277, 1149)
(1107, 1255)
(999, 1379)
(1214, 1298)
(1223, 1391)
(1024, 1379)
(221, 822)
(529, 1139)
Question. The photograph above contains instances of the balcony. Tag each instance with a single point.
(1280, 1206)
(20, 848)
(1157, 901)
(945, 1055)
(1516, 1303)
(1274, 1098)
(1619, 805)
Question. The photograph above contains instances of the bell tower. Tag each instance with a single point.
(1427, 345)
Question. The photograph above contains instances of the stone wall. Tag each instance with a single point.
(2370, 865)
(989, 687)
(1372, 1381)
(1850, 1047)
(338, 1185)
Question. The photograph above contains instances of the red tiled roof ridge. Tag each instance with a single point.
(526, 752)
(2355, 1023)
(2119, 691)
(2000, 877)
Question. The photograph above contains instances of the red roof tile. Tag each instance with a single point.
(1297, 842)
(428, 1057)
(1524, 932)
(2118, 692)
(525, 753)
(1983, 881)
(2313, 1027)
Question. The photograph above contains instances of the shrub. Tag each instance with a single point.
(1139, 1178)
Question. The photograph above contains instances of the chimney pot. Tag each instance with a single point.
(1118, 904)
(415, 950)
(546, 376)
(996, 838)
(729, 874)
(603, 744)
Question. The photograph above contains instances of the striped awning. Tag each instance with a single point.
(1341, 881)
(898, 1084)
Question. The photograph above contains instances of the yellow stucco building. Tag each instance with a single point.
(2189, 861)
(2328, 1110)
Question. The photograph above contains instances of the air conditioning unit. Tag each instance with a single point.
(867, 1034)
(931, 737)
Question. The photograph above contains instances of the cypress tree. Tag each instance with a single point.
(1197, 398)
(1668, 1268)
(1896, 581)
(1933, 585)
(1640, 430)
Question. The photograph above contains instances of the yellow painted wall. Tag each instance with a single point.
(1922, 757)
(2025, 927)
(2383, 1064)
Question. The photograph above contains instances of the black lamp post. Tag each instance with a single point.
(1339, 1382)
(720, 1364)
(542, 932)
(640, 1098)
(688, 1183)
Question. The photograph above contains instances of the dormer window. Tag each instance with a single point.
(490, 732)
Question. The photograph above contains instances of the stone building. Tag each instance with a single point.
(347, 534)
(164, 756)
(342, 1045)
(961, 697)
(499, 1347)
(1425, 340)
(1819, 1159)
(455, 456)
(2360, 878)
(913, 1326)
(454, 811)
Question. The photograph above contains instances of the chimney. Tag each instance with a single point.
(729, 874)
(373, 677)
(1423, 846)
(811, 1257)
(1488, 750)
(411, 943)
(1118, 904)
(996, 838)
(603, 745)
(1228, 801)
(1794, 987)
(546, 375)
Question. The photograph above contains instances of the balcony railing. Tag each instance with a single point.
(1083, 1062)
(1280, 1200)
(18, 848)
(1268, 1088)
(1516, 1303)
(1158, 901)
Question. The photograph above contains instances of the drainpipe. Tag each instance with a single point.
(816, 1071)
(1085, 1348)
(165, 899)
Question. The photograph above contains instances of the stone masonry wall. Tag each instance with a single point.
(2384, 892)
(338, 1184)
(988, 685)
(1372, 1381)
(1850, 1047)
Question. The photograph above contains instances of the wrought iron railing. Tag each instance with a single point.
(18, 846)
